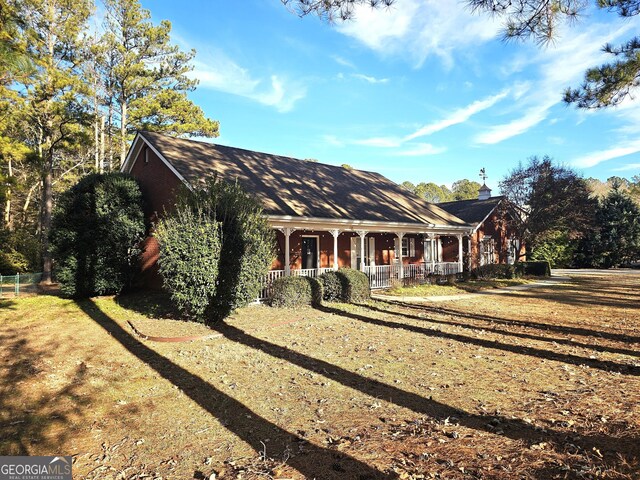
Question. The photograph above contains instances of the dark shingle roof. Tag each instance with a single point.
(472, 211)
(288, 186)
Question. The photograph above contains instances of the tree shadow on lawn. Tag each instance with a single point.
(570, 299)
(26, 424)
(500, 331)
(312, 461)
(606, 365)
(513, 428)
(512, 322)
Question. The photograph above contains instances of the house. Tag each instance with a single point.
(491, 239)
(325, 216)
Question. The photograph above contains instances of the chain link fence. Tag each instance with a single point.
(20, 283)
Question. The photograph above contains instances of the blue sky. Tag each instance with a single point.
(425, 91)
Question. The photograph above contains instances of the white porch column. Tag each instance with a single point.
(335, 232)
(362, 234)
(434, 252)
(287, 231)
(460, 267)
(400, 236)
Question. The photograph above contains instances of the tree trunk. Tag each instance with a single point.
(8, 223)
(96, 132)
(110, 133)
(27, 200)
(47, 208)
(101, 170)
(123, 134)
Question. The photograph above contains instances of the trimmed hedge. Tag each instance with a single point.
(345, 285)
(538, 269)
(355, 285)
(296, 292)
(332, 286)
(494, 270)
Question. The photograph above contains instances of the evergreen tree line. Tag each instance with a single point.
(431, 192)
(558, 216)
(73, 90)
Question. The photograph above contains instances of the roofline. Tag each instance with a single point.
(140, 140)
(354, 225)
(132, 157)
(487, 216)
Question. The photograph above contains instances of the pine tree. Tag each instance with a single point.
(55, 111)
(618, 239)
(148, 76)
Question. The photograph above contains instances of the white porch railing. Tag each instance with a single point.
(267, 283)
(380, 276)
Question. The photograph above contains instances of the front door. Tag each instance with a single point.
(309, 252)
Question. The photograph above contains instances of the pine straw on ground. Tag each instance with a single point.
(541, 383)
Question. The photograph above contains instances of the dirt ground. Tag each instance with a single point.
(537, 384)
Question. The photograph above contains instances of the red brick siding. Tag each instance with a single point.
(159, 186)
(384, 254)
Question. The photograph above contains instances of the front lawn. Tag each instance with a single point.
(535, 384)
(470, 286)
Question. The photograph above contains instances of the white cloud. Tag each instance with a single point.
(417, 29)
(421, 149)
(223, 74)
(558, 67)
(343, 61)
(333, 140)
(499, 133)
(383, 142)
(458, 116)
(369, 79)
(595, 158)
(629, 166)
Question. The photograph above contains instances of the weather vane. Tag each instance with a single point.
(483, 174)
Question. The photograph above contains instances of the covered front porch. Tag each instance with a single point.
(387, 253)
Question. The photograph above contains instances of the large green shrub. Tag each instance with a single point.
(190, 246)
(239, 249)
(296, 292)
(355, 285)
(248, 244)
(95, 235)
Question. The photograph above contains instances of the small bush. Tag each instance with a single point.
(494, 270)
(12, 262)
(296, 292)
(355, 285)
(538, 269)
(95, 235)
(189, 259)
(332, 286)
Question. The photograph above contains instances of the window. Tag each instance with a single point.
(408, 247)
(427, 251)
(487, 251)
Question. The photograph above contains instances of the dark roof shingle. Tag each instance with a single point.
(288, 186)
(471, 211)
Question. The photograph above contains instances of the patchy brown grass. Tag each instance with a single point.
(542, 383)
(470, 286)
